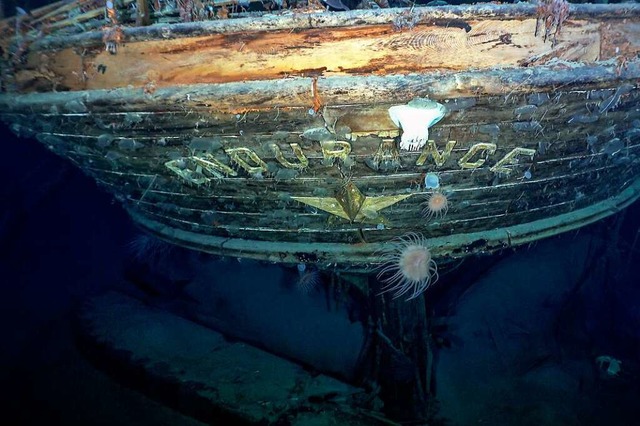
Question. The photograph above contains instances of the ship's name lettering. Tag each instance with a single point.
(198, 169)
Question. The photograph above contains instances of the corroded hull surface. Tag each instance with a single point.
(303, 162)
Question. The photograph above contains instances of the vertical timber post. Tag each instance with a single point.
(405, 360)
(143, 17)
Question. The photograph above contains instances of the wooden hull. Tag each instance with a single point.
(272, 138)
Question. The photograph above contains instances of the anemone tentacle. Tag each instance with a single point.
(407, 267)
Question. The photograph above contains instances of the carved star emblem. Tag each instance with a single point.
(351, 204)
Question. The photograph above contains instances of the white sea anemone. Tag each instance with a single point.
(414, 119)
(437, 206)
(408, 267)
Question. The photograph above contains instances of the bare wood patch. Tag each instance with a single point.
(376, 49)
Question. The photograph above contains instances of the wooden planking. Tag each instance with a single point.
(254, 209)
(619, 41)
(275, 189)
(558, 158)
(549, 143)
(292, 227)
(358, 50)
(563, 144)
(564, 109)
(247, 113)
(466, 206)
(574, 166)
(238, 98)
(401, 18)
(363, 256)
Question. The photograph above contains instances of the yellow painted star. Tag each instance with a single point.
(351, 204)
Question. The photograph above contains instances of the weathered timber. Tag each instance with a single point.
(441, 15)
(220, 58)
(367, 255)
(335, 91)
(272, 137)
(215, 52)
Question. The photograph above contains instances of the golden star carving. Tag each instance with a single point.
(351, 204)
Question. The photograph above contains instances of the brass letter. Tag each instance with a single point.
(242, 155)
(199, 170)
(335, 149)
(511, 158)
(438, 158)
(209, 163)
(386, 157)
(297, 151)
(464, 163)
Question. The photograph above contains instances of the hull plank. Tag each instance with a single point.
(370, 50)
